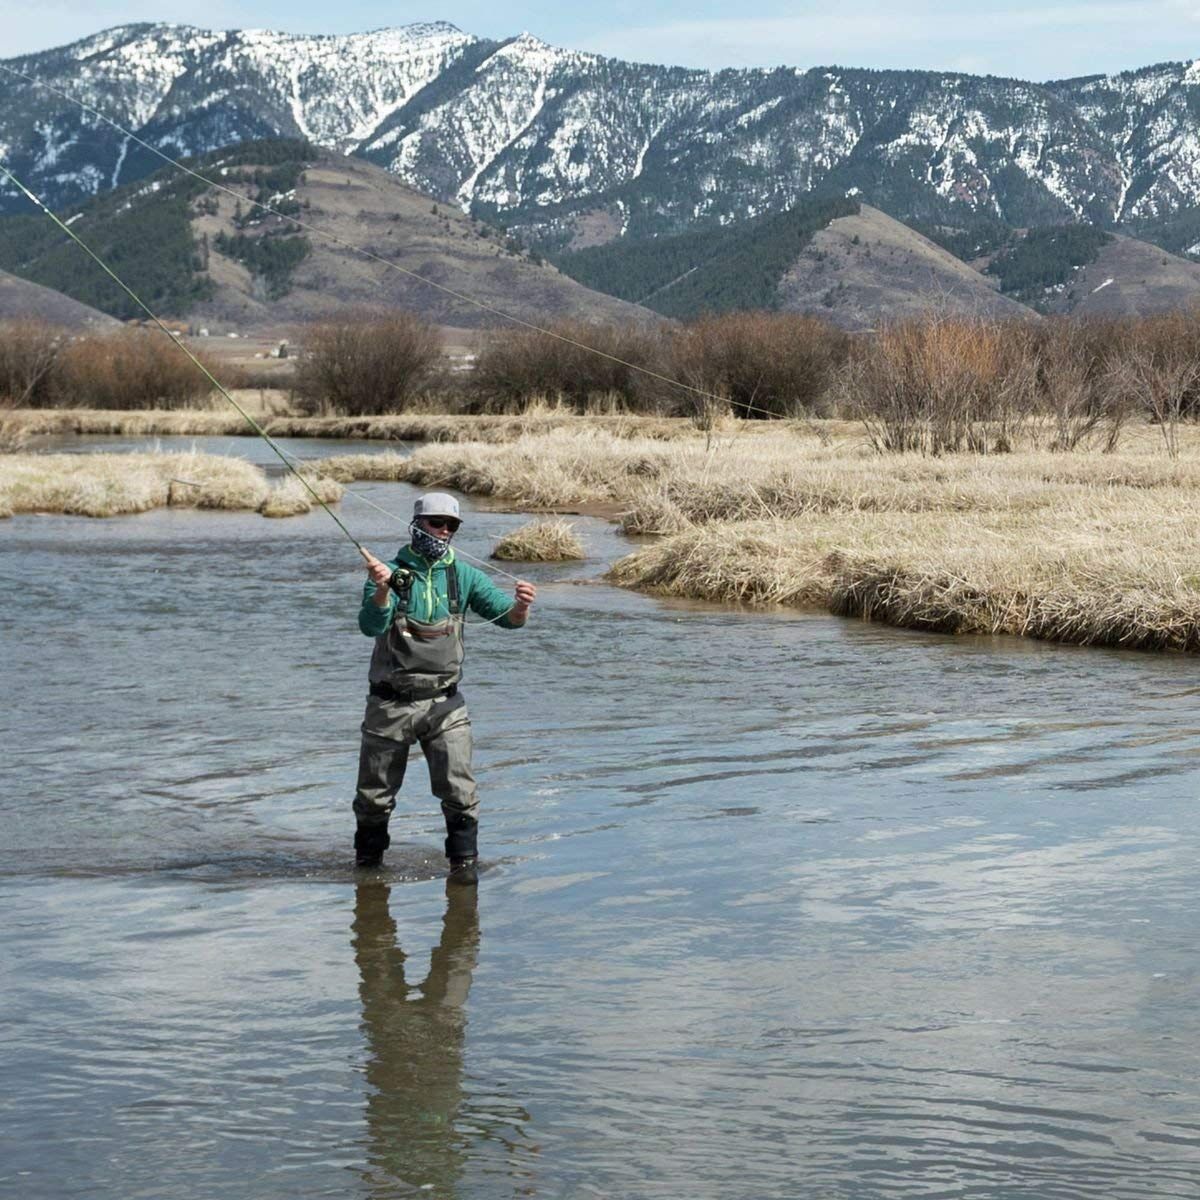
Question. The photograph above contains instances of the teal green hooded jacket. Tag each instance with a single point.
(429, 599)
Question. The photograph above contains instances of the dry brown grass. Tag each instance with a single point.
(767, 470)
(12, 433)
(289, 497)
(1090, 548)
(220, 420)
(562, 466)
(106, 485)
(1118, 574)
(540, 541)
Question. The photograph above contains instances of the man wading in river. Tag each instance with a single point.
(413, 608)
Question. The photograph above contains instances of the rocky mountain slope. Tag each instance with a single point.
(561, 144)
(22, 300)
(196, 251)
(866, 266)
(1128, 277)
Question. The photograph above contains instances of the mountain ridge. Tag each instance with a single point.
(543, 138)
(190, 249)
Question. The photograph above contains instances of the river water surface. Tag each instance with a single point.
(776, 905)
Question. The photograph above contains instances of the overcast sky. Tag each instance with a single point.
(1020, 38)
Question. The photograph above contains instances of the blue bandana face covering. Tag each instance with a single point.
(426, 545)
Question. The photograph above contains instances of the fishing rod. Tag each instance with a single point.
(387, 512)
(280, 453)
(483, 305)
(216, 383)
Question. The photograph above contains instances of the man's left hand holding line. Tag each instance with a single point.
(525, 594)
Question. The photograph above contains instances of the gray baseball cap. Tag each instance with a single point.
(436, 504)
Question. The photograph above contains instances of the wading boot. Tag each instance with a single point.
(464, 872)
(461, 849)
(370, 841)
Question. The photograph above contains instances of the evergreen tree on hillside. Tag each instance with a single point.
(727, 269)
(1045, 259)
(143, 232)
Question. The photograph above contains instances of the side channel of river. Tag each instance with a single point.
(778, 905)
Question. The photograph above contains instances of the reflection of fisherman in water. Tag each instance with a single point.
(415, 1043)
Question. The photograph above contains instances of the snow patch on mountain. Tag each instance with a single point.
(541, 132)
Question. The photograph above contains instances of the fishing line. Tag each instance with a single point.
(199, 365)
(338, 241)
(279, 451)
(387, 512)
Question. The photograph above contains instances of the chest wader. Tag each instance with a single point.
(414, 663)
(416, 659)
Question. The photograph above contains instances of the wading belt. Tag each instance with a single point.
(390, 693)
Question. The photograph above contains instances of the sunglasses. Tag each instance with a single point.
(441, 523)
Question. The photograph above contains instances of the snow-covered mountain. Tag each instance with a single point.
(567, 146)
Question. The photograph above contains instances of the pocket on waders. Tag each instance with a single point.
(430, 649)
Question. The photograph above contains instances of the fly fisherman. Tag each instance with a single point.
(414, 608)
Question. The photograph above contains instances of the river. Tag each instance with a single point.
(775, 904)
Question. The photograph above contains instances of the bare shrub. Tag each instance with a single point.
(29, 352)
(133, 369)
(1163, 388)
(1171, 341)
(585, 365)
(942, 385)
(1153, 366)
(1074, 391)
(367, 363)
(757, 364)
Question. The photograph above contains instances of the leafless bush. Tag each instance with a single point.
(1170, 341)
(29, 352)
(1074, 384)
(575, 361)
(1163, 388)
(936, 386)
(133, 369)
(1152, 365)
(367, 363)
(757, 364)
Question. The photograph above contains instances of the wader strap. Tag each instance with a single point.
(452, 588)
